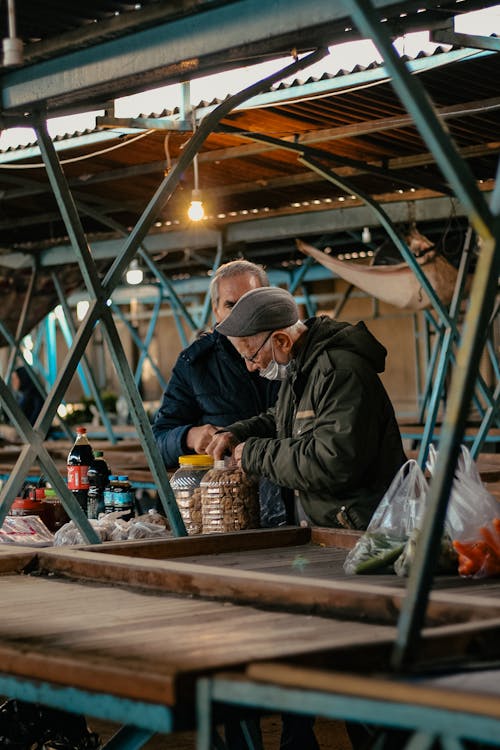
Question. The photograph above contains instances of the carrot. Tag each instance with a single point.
(476, 558)
(490, 539)
(470, 557)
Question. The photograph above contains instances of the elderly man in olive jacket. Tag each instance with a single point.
(332, 436)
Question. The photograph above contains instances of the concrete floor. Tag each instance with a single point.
(331, 735)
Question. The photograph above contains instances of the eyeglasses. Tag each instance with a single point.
(252, 358)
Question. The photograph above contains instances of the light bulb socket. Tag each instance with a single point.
(12, 51)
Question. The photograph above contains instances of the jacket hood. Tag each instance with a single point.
(325, 334)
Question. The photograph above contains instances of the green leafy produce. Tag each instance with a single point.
(374, 552)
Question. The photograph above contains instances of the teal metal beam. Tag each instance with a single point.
(29, 369)
(448, 340)
(99, 307)
(207, 303)
(256, 230)
(438, 722)
(488, 420)
(483, 390)
(418, 104)
(474, 41)
(148, 716)
(33, 439)
(137, 341)
(84, 369)
(144, 349)
(486, 222)
(172, 51)
(21, 323)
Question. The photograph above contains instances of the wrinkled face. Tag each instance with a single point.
(257, 350)
(230, 290)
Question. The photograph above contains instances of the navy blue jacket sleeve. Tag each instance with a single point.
(178, 412)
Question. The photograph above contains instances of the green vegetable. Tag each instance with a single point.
(375, 551)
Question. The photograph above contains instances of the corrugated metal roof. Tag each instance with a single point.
(237, 175)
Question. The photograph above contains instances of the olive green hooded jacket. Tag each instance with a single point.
(332, 435)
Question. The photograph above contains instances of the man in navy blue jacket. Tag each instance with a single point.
(210, 384)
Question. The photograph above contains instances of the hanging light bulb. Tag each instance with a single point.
(134, 273)
(196, 212)
(366, 235)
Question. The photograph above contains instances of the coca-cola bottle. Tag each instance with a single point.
(79, 459)
(98, 480)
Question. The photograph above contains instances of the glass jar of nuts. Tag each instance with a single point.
(229, 499)
(185, 484)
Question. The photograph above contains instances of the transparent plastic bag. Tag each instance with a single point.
(472, 519)
(396, 517)
(26, 530)
(111, 527)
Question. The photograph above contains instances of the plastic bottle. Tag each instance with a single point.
(109, 495)
(79, 459)
(59, 514)
(123, 497)
(98, 475)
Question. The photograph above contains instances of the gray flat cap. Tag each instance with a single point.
(265, 309)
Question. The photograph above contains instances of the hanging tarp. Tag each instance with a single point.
(395, 284)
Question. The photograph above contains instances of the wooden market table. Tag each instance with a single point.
(124, 631)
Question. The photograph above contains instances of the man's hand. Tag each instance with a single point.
(221, 445)
(237, 453)
(198, 438)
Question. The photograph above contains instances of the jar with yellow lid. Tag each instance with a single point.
(185, 484)
(229, 499)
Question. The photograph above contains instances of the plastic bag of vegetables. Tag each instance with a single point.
(447, 559)
(472, 519)
(396, 516)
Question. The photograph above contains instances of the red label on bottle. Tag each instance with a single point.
(78, 478)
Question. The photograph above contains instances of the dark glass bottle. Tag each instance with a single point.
(123, 497)
(79, 459)
(98, 475)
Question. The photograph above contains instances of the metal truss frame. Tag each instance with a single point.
(99, 313)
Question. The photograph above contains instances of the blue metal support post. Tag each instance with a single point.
(88, 376)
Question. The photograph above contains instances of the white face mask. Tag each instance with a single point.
(274, 370)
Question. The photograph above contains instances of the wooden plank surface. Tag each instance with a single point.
(353, 597)
(207, 544)
(144, 646)
(316, 553)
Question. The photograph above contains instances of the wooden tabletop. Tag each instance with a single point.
(146, 628)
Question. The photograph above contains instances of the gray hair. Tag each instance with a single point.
(235, 268)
